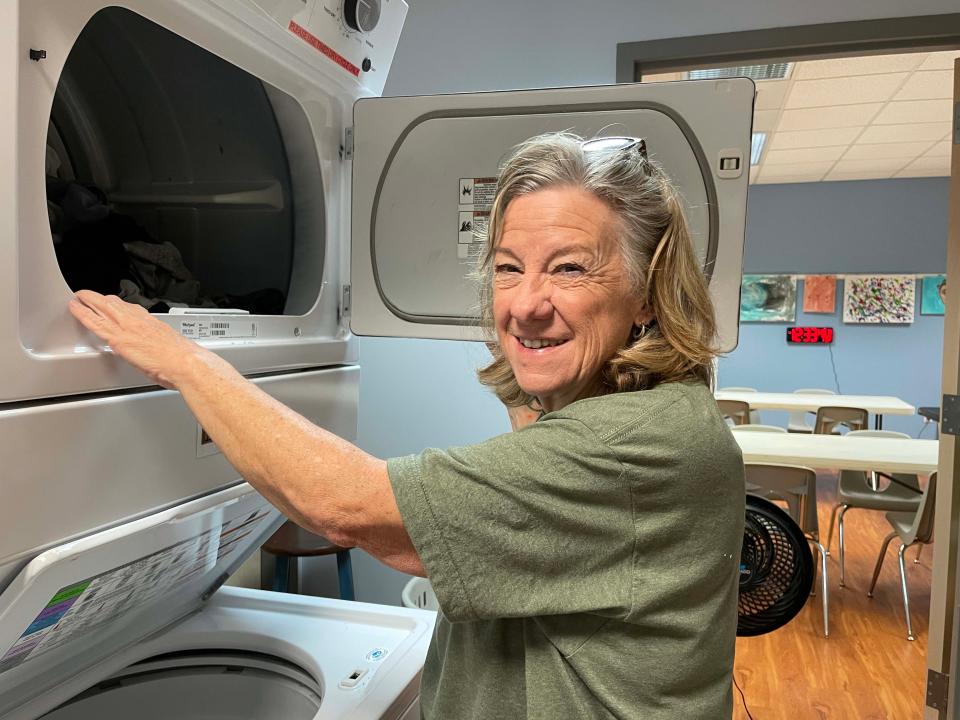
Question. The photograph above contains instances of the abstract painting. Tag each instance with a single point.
(884, 299)
(768, 298)
(934, 295)
(820, 294)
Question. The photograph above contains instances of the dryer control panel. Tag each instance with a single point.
(358, 36)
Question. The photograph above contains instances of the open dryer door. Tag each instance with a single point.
(425, 169)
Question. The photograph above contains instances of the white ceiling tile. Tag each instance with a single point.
(765, 120)
(930, 163)
(814, 154)
(913, 132)
(940, 149)
(812, 138)
(843, 67)
(782, 180)
(859, 175)
(665, 77)
(870, 165)
(940, 60)
(927, 85)
(912, 111)
(754, 173)
(844, 91)
(907, 172)
(770, 94)
(828, 117)
(797, 168)
(867, 151)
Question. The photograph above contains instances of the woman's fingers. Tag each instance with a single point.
(88, 317)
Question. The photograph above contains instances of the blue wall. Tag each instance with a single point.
(879, 226)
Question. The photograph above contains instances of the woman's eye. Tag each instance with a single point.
(569, 269)
(506, 268)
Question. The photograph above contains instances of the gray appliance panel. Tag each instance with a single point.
(73, 468)
(410, 268)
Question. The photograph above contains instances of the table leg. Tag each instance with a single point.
(878, 421)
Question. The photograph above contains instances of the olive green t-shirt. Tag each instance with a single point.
(586, 566)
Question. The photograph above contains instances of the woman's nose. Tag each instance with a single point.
(532, 300)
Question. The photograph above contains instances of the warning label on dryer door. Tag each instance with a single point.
(475, 198)
(478, 192)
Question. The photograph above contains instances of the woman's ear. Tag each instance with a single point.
(644, 316)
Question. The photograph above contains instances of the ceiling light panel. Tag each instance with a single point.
(927, 85)
(757, 141)
(844, 91)
(870, 65)
(771, 71)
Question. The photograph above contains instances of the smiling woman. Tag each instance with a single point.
(586, 565)
(588, 244)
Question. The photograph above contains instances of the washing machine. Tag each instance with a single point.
(229, 165)
(133, 622)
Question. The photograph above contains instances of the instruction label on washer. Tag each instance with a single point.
(88, 604)
(218, 329)
(475, 198)
(478, 192)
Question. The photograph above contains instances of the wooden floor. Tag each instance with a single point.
(866, 669)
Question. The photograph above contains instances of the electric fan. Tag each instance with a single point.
(776, 569)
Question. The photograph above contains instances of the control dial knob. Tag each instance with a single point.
(361, 15)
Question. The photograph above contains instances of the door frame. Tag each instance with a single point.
(926, 33)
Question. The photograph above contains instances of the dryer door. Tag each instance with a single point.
(424, 174)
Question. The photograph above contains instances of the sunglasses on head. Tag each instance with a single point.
(615, 143)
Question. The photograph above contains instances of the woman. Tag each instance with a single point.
(586, 565)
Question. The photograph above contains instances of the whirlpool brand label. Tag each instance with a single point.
(218, 329)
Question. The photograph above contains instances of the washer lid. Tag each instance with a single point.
(76, 604)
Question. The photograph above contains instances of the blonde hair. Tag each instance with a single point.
(658, 256)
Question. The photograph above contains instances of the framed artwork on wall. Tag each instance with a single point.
(768, 298)
(933, 295)
(820, 294)
(879, 299)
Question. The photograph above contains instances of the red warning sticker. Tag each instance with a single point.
(311, 39)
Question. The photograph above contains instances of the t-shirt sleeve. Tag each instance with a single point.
(530, 523)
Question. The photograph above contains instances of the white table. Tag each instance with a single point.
(879, 405)
(890, 455)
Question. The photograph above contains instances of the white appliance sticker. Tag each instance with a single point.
(79, 608)
(475, 198)
(218, 329)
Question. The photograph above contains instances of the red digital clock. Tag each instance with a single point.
(810, 335)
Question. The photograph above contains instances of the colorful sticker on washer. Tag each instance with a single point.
(81, 607)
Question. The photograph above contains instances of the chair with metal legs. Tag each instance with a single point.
(797, 487)
(736, 410)
(913, 529)
(856, 489)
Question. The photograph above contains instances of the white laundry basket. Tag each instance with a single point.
(418, 594)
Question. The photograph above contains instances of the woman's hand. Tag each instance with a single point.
(153, 347)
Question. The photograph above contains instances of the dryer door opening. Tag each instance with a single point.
(200, 686)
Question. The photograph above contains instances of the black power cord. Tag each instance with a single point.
(833, 364)
(742, 697)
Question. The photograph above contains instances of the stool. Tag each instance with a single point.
(292, 541)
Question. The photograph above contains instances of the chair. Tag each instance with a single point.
(931, 416)
(754, 414)
(830, 419)
(292, 541)
(798, 420)
(797, 487)
(913, 528)
(736, 410)
(759, 428)
(854, 490)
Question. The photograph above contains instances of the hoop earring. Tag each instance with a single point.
(638, 332)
